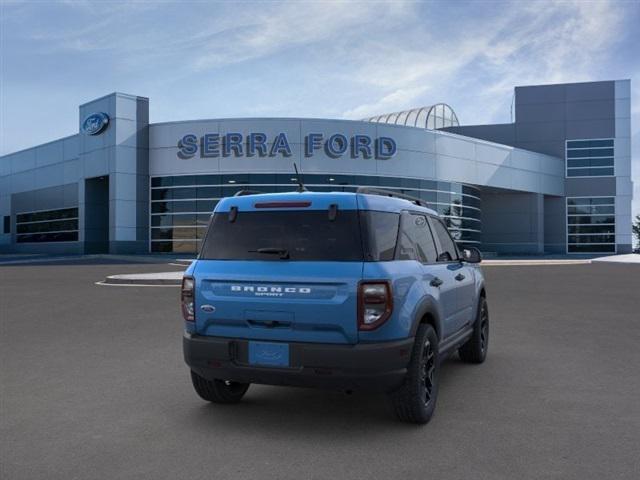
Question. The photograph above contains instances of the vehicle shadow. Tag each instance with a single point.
(310, 412)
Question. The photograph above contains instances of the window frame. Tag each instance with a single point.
(567, 225)
(566, 158)
(22, 235)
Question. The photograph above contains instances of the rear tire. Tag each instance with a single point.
(415, 400)
(475, 350)
(218, 391)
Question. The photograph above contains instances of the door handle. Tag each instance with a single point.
(459, 277)
(436, 282)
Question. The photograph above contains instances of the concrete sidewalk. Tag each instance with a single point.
(534, 261)
(160, 278)
(629, 258)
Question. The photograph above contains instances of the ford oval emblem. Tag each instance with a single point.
(208, 308)
(95, 123)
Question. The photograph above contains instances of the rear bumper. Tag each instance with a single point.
(371, 367)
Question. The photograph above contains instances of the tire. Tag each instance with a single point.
(218, 391)
(415, 400)
(475, 350)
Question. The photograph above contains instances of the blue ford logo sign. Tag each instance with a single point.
(95, 123)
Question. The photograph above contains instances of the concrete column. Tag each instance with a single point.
(121, 151)
(624, 184)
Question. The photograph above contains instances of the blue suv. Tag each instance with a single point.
(342, 290)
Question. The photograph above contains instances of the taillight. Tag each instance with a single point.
(375, 304)
(187, 296)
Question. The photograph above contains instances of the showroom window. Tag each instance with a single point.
(47, 226)
(7, 224)
(590, 158)
(181, 206)
(591, 225)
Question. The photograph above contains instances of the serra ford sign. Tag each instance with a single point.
(259, 145)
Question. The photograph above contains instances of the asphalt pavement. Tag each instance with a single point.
(93, 386)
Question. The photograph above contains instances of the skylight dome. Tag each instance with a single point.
(432, 117)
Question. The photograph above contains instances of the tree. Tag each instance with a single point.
(636, 228)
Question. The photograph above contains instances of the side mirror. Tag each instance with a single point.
(444, 257)
(471, 255)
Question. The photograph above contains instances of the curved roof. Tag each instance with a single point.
(431, 117)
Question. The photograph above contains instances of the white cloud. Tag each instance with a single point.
(264, 31)
(394, 101)
(526, 44)
(330, 58)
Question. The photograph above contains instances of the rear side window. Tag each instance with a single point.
(416, 242)
(448, 251)
(303, 234)
(380, 232)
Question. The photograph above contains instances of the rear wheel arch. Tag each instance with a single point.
(427, 315)
(482, 294)
(429, 319)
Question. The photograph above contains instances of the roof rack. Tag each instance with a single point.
(390, 193)
(242, 193)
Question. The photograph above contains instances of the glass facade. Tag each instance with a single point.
(47, 226)
(181, 206)
(591, 225)
(590, 158)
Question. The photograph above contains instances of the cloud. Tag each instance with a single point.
(82, 26)
(309, 58)
(396, 100)
(264, 31)
(525, 44)
(220, 34)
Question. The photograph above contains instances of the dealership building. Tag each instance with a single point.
(556, 180)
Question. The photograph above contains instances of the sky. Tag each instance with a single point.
(326, 59)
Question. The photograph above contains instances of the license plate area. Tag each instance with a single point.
(269, 354)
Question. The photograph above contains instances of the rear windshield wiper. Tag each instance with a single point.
(283, 252)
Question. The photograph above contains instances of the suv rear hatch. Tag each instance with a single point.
(281, 267)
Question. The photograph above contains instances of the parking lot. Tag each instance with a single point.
(94, 387)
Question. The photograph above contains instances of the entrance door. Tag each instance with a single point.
(96, 215)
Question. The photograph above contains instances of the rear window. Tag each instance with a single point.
(380, 232)
(303, 235)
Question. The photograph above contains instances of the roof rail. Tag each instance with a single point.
(390, 193)
(242, 193)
